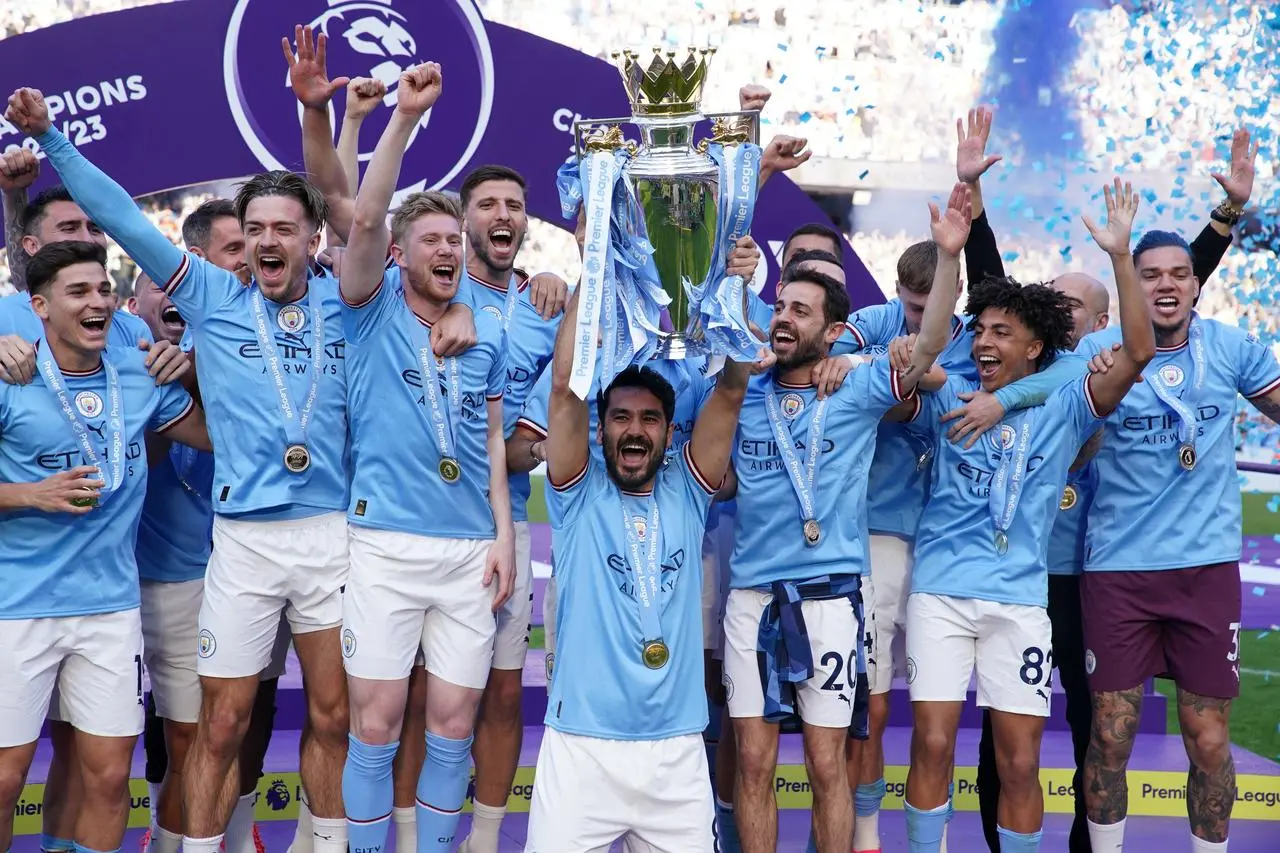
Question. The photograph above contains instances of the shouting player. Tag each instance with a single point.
(73, 469)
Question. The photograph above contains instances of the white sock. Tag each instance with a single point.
(942, 848)
(302, 836)
(1106, 838)
(866, 832)
(329, 834)
(486, 821)
(153, 797)
(201, 845)
(1199, 845)
(406, 821)
(239, 834)
(163, 841)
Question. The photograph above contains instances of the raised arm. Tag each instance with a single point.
(19, 169)
(102, 199)
(711, 444)
(367, 242)
(1107, 390)
(568, 419)
(363, 96)
(314, 90)
(981, 253)
(950, 229)
(1212, 243)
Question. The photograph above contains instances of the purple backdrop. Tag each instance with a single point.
(167, 96)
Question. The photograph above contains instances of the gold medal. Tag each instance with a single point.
(91, 501)
(297, 458)
(1187, 457)
(450, 470)
(656, 654)
(1002, 542)
(812, 532)
(1069, 498)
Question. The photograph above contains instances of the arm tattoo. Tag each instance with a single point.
(1268, 406)
(15, 206)
(1115, 724)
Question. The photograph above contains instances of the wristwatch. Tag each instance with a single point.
(1227, 213)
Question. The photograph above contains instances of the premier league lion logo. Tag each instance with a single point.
(278, 795)
(89, 404)
(367, 38)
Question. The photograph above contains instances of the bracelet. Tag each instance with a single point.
(1226, 213)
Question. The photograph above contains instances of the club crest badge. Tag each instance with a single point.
(792, 405)
(1171, 375)
(290, 319)
(89, 404)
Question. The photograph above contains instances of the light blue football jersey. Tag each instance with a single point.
(686, 377)
(1148, 513)
(602, 687)
(956, 552)
(17, 317)
(769, 544)
(176, 531)
(1066, 539)
(396, 482)
(56, 564)
(899, 477)
(243, 403)
(530, 341)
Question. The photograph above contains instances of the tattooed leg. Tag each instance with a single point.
(1211, 781)
(1115, 723)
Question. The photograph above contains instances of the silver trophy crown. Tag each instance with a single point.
(675, 181)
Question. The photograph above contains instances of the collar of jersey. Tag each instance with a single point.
(636, 494)
(791, 386)
(77, 374)
(521, 277)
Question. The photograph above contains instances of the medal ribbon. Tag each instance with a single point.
(802, 478)
(1185, 412)
(1006, 484)
(600, 172)
(442, 421)
(113, 469)
(295, 422)
(644, 567)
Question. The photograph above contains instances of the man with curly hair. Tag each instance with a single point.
(979, 585)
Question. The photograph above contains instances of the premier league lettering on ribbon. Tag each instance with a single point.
(367, 38)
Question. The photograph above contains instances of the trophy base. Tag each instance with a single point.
(679, 347)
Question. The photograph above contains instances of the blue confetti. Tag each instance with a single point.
(1259, 591)
(864, 174)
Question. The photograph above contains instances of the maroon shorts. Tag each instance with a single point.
(1184, 623)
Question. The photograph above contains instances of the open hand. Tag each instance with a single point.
(950, 228)
(17, 360)
(1122, 206)
(307, 74)
(1239, 184)
(971, 148)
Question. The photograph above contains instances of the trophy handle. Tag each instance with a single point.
(600, 134)
(735, 127)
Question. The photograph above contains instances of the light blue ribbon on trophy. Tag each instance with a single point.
(595, 176)
(803, 478)
(1006, 484)
(720, 301)
(113, 469)
(644, 567)
(297, 457)
(1187, 426)
(442, 419)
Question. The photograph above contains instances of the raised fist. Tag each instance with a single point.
(28, 112)
(419, 87)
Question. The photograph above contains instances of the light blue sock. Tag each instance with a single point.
(442, 788)
(867, 798)
(1018, 842)
(726, 828)
(56, 845)
(951, 800)
(924, 829)
(367, 794)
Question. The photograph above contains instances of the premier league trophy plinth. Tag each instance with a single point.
(661, 219)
